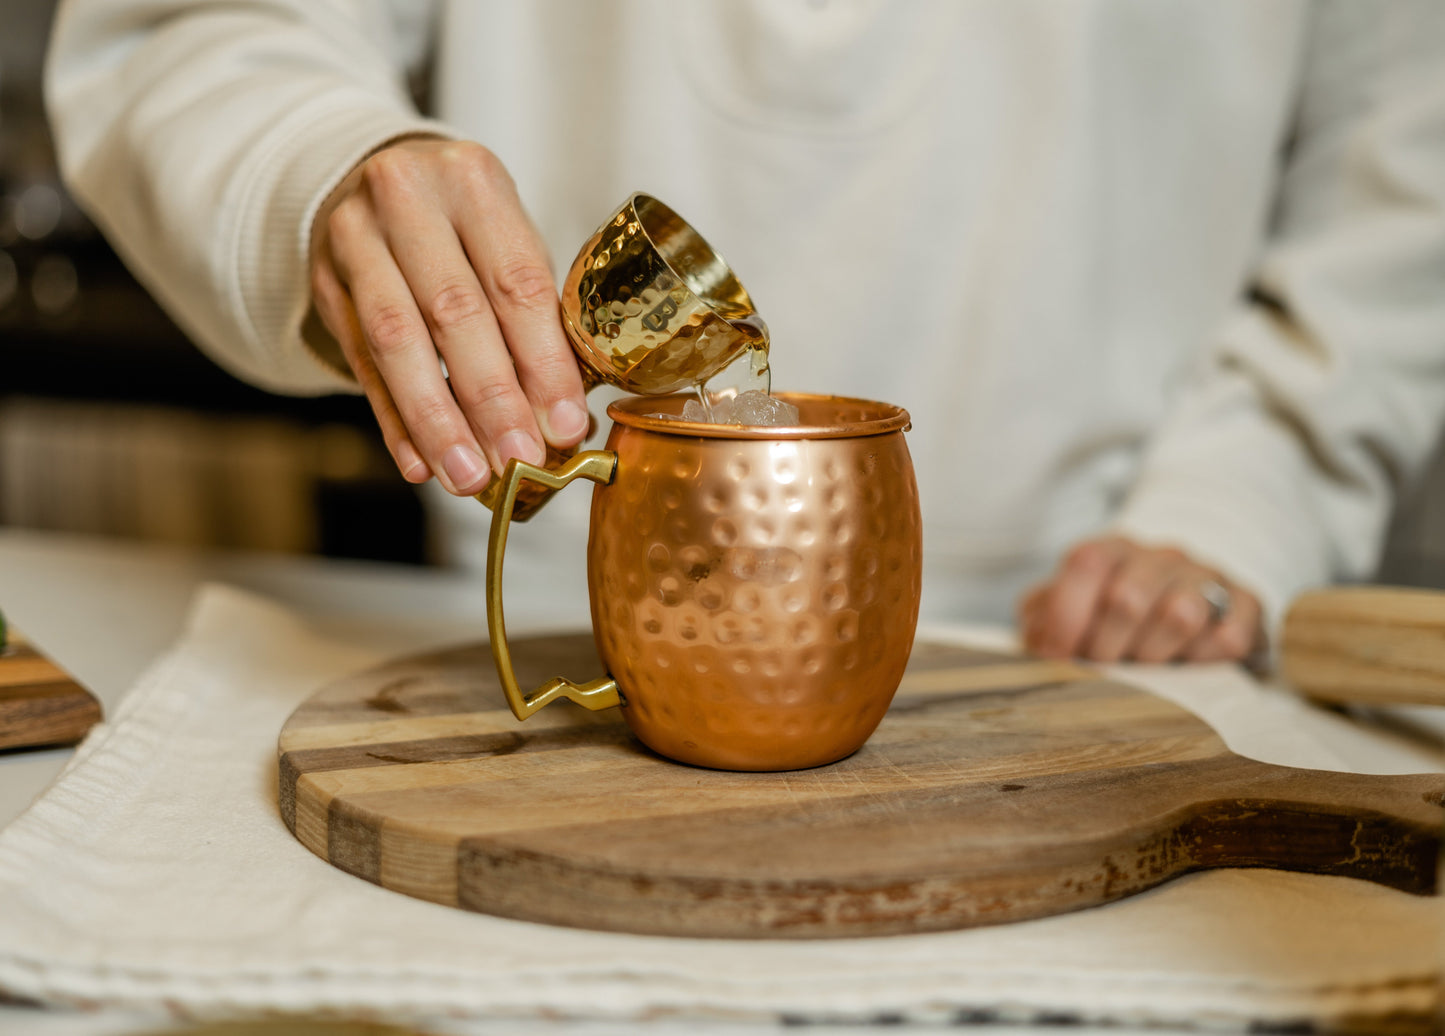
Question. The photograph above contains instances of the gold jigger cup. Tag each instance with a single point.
(650, 307)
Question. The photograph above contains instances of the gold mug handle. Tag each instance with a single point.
(602, 693)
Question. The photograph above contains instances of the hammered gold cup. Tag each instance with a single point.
(650, 307)
(754, 590)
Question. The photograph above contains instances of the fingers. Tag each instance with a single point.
(400, 346)
(1128, 603)
(512, 265)
(1238, 634)
(1065, 614)
(1180, 617)
(1114, 600)
(336, 311)
(463, 328)
(425, 258)
(1029, 608)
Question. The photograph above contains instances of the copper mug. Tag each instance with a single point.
(754, 590)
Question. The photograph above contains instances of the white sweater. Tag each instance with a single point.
(1172, 268)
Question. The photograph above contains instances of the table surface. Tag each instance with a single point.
(105, 609)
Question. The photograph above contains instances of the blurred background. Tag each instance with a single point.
(112, 423)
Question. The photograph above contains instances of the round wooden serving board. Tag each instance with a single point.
(997, 788)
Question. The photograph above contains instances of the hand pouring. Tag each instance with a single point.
(754, 590)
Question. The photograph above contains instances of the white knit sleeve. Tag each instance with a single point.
(202, 137)
(1326, 389)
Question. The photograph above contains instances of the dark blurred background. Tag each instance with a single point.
(112, 423)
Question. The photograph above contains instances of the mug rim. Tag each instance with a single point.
(640, 412)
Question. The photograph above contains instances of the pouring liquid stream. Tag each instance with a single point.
(759, 374)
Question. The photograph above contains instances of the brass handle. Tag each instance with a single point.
(531, 499)
(602, 693)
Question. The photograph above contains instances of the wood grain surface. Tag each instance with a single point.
(1366, 645)
(997, 788)
(40, 703)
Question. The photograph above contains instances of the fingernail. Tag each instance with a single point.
(567, 419)
(523, 447)
(464, 467)
(409, 462)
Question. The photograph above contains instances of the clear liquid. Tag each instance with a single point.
(759, 374)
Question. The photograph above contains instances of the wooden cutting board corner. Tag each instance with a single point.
(41, 704)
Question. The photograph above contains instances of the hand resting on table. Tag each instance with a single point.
(1115, 600)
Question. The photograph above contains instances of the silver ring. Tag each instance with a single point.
(1217, 596)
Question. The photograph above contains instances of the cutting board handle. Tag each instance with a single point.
(1366, 645)
(1381, 828)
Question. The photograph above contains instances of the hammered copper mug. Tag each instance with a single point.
(754, 590)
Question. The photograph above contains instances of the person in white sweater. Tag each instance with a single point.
(1162, 285)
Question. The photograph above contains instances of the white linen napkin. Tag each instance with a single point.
(157, 871)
